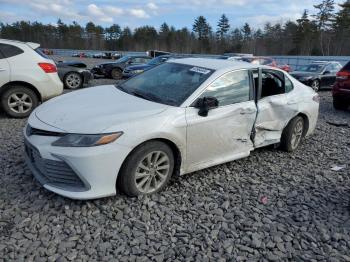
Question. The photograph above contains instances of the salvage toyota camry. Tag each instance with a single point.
(179, 117)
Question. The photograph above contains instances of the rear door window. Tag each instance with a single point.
(10, 50)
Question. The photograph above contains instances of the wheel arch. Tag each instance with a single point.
(306, 122)
(8, 85)
(175, 149)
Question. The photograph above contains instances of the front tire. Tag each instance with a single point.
(292, 134)
(147, 169)
(339, 104)
(116, 74)
(73, 80)
(19, 101)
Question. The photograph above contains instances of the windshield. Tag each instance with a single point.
(168, 83)
(122, 60)
(311, 68)
(158, 60)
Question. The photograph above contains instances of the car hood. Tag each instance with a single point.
(93, 110)
(139, 67)
(299, 74)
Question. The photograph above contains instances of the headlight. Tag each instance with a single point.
(137, 71)
(77, 140)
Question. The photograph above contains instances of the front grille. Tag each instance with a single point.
(30, 131)
(52, 172)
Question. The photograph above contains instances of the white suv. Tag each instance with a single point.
(27, 77)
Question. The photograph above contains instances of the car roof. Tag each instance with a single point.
(142, 56)
(14, 42)
(214, 64)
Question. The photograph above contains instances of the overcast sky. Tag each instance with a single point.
(134, 13)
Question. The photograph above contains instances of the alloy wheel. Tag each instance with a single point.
(297, 133)
(20, 102)
(315, 85)
(152, 172)
(73, 80)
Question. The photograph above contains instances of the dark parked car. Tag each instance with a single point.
(73, 74)
(318, 74)
(115, 69)
(137, 69)
(341, 89)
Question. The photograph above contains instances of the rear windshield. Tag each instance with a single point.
(41, 53)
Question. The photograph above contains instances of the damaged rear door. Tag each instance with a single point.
(275, 107)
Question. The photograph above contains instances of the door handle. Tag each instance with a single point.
(2, 69)
(247, 111)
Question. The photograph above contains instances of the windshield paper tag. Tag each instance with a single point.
(200, 70)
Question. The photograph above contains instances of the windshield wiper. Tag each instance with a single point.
(153, 98)
(121, 88)
(144, 96)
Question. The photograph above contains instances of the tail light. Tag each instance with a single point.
(316, 98)
(48, 67)
(343, 75)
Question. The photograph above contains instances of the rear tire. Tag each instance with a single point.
(339, 104)
(316, 85)
(147, 169)
(292, 134)
(73, 80)
(116, 74)
(19, 101)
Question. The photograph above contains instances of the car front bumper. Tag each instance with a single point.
(77, 173)
(97, 71)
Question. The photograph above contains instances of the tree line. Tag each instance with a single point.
(326, 31)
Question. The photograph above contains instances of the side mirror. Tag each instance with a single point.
(205, 104)
(326, 72)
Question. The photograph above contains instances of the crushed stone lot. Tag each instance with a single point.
(272, 206)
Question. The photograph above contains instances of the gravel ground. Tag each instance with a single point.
(270, 206)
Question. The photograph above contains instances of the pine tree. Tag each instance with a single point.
(223, 28)
(203, 30)
(341, 27)
(324, 18)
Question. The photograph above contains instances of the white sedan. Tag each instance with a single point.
(179, 117)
